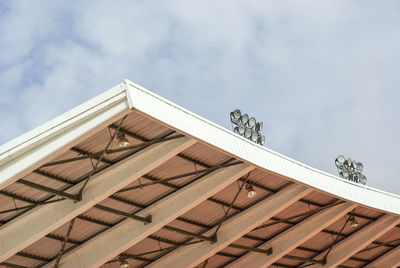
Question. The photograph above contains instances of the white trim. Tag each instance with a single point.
(225, 140)
(27, 152)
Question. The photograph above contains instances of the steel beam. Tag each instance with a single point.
(285, 242)
(146, 219)
(252, 249)
(30, 227)
(49, 190)
(127, 233)
(291, 257)
(234, 228)
(163, 181)
(108, 151)
(359, 240)
(191, 234)
(32, 256)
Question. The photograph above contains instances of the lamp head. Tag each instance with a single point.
(236, 114)
(261, 139)
(363, 179)
(354, 164)
(122, 140)
(254, 136)
(251, 192)
(244, 119)
(247, 132)
(252, 122)
(359, 166)
(241, 129)
(353, 221)
(124, 264)
(340, 159)
(259, 126)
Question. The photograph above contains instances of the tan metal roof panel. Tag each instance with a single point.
(22, 261)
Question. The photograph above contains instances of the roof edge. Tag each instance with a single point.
(204, 130)
(23, 154)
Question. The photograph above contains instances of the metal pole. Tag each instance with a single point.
(194, 235)
(176, 177)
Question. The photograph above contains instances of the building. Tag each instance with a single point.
(177, 196)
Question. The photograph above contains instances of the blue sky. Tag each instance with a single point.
(322, 75)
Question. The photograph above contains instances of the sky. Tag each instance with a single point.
(323, 76)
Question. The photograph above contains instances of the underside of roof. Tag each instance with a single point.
(176, 196)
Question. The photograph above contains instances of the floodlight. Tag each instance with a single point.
(259, 126)
(251, 192)
(124, 264)
(353, 221)
(350, 169)
(363, 179)
(254, 136)
(247, 132)
(236, 114)
(122, 140)
(247, 126)
(340, 159)
(261, 140)
(241, 129)
(252, 122)
(244, 118)
(359, 166)
(354, 164)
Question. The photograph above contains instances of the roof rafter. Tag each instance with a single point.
(234, 228)
(360, 239)
(162, 212)
(389, 259)
(31, 227)
(288, 240)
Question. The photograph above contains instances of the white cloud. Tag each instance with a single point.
(322, 75)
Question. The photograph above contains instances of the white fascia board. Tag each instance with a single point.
(34, 148)
(202, 129)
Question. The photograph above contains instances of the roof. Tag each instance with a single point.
(176, 196)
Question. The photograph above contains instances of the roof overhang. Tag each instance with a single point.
(193, 167)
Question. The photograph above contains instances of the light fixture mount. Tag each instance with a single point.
(122, 262)
(353, 222)
(251, 192)
(122, 141)
(247, 127)
(350, 169)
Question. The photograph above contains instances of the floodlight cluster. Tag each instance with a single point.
(350, 169)
(247, 127)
